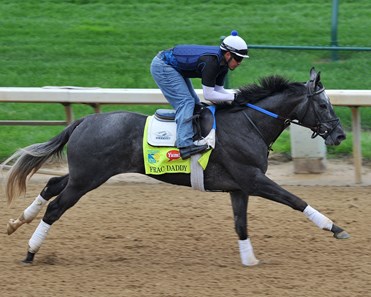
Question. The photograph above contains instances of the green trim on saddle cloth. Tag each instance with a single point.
(163, 159)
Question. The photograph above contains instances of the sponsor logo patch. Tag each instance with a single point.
(173, 155)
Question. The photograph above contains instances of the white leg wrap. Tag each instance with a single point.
(31, 212)
(247, 253)
(317, 218)
(38, 237)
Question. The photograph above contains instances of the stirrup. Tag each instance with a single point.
(186, 152)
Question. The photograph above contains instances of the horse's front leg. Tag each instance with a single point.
(266, 188)
(239, 204)
(54, 186)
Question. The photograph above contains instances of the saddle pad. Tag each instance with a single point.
(166, 159)
(162, 159)
(161, 133)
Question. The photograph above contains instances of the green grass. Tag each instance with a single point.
(110, 44)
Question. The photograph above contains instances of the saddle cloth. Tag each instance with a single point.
(166, 159)
(160, 154)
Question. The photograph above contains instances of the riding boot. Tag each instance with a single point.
(186, 152)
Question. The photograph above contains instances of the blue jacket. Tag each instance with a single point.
(186, 57)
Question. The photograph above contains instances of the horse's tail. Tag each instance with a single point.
(31, 158)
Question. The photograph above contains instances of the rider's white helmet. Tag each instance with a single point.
(235, 44)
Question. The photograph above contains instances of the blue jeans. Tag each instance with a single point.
(179, 92)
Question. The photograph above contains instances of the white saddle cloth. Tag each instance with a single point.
(163, 133)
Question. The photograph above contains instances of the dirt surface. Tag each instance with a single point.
(138, 237)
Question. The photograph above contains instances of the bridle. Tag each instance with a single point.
(318, 129)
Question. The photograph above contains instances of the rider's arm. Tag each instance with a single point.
(217, 94)
(212, 80)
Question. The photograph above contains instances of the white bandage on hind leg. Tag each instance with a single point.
(247, 253)
(317, 218)
(31, 212)
(38, 237)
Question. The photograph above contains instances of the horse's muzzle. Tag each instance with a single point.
(331, 131)
(336, 136)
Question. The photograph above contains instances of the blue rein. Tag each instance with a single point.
(262, 110)
(276, 116)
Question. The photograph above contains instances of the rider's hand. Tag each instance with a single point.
(238, 100)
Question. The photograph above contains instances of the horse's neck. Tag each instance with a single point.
(287, 107)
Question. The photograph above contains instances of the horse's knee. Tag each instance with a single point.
(54, 186)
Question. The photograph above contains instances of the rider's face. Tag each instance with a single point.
(233, 60)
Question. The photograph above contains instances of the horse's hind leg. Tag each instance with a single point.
(239, 204)
(54, 186)
(56, 208)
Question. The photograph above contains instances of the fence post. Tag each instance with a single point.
(334, 28)
(309, 155)
(357, 150)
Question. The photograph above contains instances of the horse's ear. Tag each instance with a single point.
(314, 79)
(313, 74)
(318, 78)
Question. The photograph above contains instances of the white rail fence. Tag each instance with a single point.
(96, 97)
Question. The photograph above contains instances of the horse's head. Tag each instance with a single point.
(322, 120)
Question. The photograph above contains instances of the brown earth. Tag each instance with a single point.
(138, 237)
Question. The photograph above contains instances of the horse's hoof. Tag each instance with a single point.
(29, 259)
(11, 227)
(252, 263)
(26, 263)
(342, 235)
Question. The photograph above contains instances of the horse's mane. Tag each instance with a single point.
(266, 87)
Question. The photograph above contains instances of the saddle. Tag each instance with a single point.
(162, 127)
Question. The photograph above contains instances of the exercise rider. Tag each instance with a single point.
(172, 70)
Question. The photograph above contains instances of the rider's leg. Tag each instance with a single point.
(176, 90)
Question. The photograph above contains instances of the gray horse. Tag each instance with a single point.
(103, 145)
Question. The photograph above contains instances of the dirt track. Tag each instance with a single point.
(151, 239)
